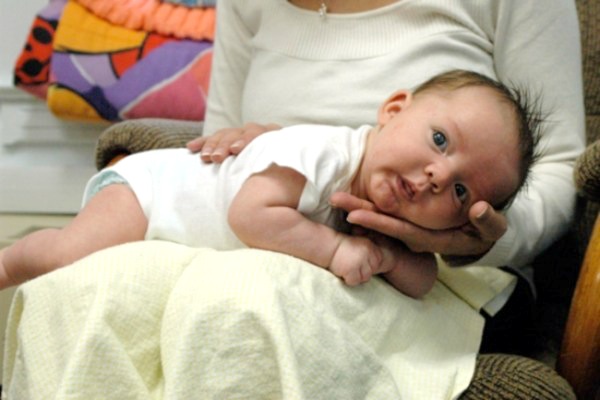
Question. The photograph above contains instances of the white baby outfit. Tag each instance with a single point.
(186, 200)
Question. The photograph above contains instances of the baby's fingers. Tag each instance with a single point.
(365, 270)
(352, 278)
(373, 264)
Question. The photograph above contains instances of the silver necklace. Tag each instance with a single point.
(323, 9)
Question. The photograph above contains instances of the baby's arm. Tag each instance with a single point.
(411, 273)
(264, 215)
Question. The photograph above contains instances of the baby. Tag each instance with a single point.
(457, 139)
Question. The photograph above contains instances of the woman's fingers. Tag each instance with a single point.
(349, 202)
(225, 142)
(416, 238)
(195, 145)
(488, 223)
(474, 239)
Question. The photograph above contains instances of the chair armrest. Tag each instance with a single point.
(579, 357)
(586, 172)
(133, 136)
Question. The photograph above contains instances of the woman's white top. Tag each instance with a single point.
(275, 62)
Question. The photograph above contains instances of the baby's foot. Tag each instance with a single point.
(4, 280)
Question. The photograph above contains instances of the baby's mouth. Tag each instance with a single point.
(397, 191)
(407, 188)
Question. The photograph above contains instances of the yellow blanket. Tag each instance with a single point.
(157, 320)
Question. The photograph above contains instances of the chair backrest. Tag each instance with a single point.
(557, 269)
(589, 21)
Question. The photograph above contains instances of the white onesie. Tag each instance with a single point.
(186, 201)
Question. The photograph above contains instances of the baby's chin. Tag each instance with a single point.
(393, 211)
(436, 225)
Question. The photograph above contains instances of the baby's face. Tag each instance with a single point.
(438, 153)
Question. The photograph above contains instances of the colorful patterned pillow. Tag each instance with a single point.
(87, 68)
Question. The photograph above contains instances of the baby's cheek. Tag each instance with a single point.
(442, 216)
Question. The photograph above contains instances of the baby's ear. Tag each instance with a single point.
(393, 105)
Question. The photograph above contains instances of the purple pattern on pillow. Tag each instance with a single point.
(161, 65)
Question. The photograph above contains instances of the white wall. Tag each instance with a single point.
(44, 161)
(15, 17)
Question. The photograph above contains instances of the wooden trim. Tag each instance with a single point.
(579, 357)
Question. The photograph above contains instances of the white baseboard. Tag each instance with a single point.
(44, 162)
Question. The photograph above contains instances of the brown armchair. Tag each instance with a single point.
(574, 344)
(579, 356)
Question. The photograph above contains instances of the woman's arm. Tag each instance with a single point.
(232, 56)
(537, 46)
(232, 53)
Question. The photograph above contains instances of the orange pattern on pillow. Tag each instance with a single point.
(156, 16)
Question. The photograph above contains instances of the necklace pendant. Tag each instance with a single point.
(323, 10)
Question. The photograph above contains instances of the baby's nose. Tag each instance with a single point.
(439, 177)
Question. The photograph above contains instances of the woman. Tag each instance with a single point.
(235, 325)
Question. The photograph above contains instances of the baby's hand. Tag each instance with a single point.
(356, 260)
(414, 274)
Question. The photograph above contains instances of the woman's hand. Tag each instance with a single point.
(217, 147)
(474, 239)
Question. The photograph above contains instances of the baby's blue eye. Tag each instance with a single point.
(461, 192)
(439, 139)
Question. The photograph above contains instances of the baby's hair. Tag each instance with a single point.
(527, 112)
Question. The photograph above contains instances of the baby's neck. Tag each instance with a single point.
(357, 186)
